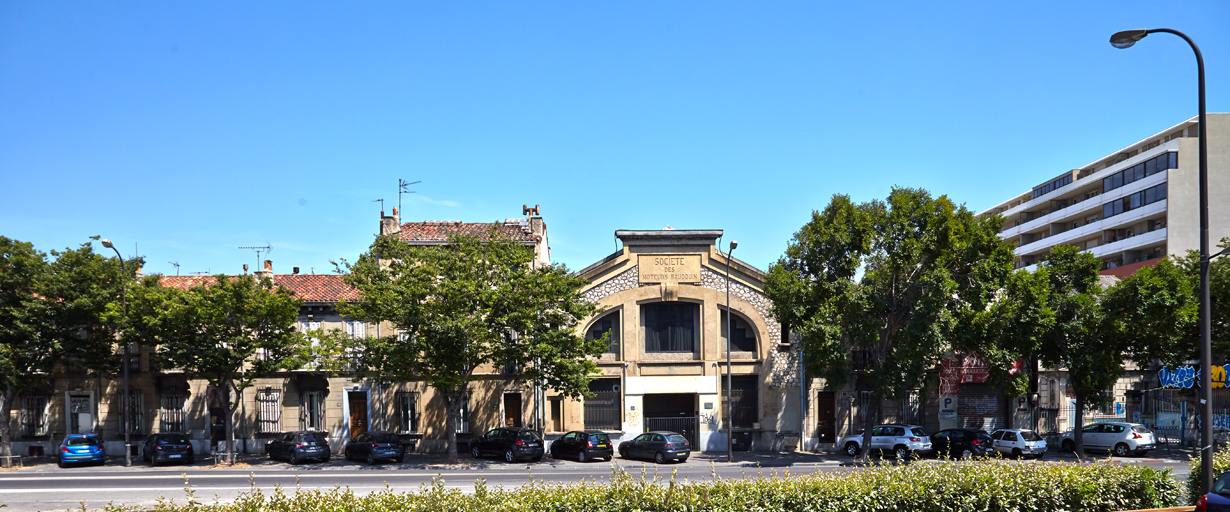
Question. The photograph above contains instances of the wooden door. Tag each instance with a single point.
(358, 413)
(826, 417)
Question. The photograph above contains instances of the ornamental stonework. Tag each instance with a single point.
(626, 280)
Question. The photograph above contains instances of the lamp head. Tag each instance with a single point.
(1127, 38)
(107, 243)
(733, 244)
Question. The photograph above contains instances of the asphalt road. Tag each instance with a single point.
(45, 487)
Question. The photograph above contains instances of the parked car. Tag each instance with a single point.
(961, 443)
(1218, 498)
(583, 445)
(512, 443)
(375, 446)
(1119, 438)
(1018, 443)
(901, 440)
(167, 447)
(80, 448)
(299, 446)
(660, 446)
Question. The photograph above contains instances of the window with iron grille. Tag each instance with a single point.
(602, 411)
(911, 408)
(607, 325)
(269, 410)
(408, 411)
(744, 339)
(312, 411)
(171, 413)
(463, 419)
(744, 401)
(34, 413)
(134, 421)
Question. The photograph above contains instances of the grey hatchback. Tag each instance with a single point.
(296, 447)
(167, 447)
(659, 446)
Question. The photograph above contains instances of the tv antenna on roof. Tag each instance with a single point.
(267, 248)
(401, 189)
(176, 265)
(205, 273)
(381, 201)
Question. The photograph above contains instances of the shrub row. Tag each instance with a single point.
(990, 485)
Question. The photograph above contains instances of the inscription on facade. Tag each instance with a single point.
(669, 268)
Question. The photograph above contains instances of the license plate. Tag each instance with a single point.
(602, 446)
(176, 456)
(531, 444)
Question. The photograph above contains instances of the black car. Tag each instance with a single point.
(961, 443)
(375, 446)
(299, 446)
(659, 446)
(511, 443)
(583, 445)
(1218, 498)
(167, 447)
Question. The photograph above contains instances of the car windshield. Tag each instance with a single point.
(1222, 485)
(83, 441)
(599, 438)
(676, 438)
(527, 435)
(1030, 435)
(918, 432)
(384, 438)
(165, 439)
(1141, 429)
(983, 436)
(312, 438)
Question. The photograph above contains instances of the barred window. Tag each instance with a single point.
(171, 413)
(312, 411)
(269, 410)
(34, 415)
(744, 401)
(602, 411)
(408, 412)
(134, 421)
(463, 419)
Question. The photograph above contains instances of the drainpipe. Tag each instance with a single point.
(802, 398)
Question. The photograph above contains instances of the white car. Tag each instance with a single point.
(1120, 439)
(1018, 443)
(901, 440)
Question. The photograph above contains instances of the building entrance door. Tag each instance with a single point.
(675, 412)
(512, 409)
(358, 412)
(826, 417)
(81, 414)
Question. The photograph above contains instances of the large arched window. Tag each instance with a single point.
(606, 324)
(744, 339)
(670, 326)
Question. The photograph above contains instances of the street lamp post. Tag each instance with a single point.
(730, 317)
(127, 400)
(1126, 39)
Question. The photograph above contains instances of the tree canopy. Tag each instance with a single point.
(467, 304)
(892, 281)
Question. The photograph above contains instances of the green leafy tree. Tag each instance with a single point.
(1064, 316)
(893, 280)
(231, 332)
(52, 316)
(467, 304)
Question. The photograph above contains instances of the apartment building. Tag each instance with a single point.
(1130, 207)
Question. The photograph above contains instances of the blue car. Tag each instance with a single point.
(1218, 498)
(80, 449)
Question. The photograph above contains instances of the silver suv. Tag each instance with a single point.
(1120, 439)
(901, 440)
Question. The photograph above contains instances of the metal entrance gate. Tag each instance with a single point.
(686, 425)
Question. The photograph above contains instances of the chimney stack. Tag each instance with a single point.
(295, 271)
(389, 225)
(269, 266)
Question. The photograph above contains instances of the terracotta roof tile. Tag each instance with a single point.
(309, 287)
(439, 231)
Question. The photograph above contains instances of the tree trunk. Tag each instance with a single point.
(869, 421)
(229, 421)
(6, 408)
(1078, 423)
(453, 405)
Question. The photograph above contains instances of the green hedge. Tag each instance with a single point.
(1221, 464)
(992, 485)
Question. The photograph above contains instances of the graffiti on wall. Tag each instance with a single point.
(1189, 376)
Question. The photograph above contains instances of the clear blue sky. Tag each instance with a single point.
(194, 128)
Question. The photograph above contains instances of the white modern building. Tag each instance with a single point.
(1130, 207)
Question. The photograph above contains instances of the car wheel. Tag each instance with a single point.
(190, 459)
(1016, 453)
(851, 448)
(61, 464)
(1068, 445)
(967, 453)
(553, 455)
(400, 459)
(325, 460)
(474, 452)
(901, 452)
(1122, 450)
(371, 459)
(623, 454)
(659, 458)
(509, 456)
(294, 459)
(581, 457)
(536, 458)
